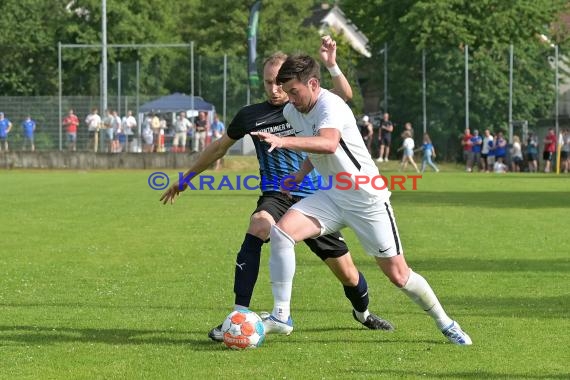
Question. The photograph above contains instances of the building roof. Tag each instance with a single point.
(333, 18)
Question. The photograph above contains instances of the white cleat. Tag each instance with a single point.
(457, 336)
(275, 326)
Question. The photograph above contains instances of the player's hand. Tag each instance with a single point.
(327, 51)
(291, 182)
(172, 193)
(273, 140)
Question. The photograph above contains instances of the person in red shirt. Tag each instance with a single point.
(549, 149)
(466, 143)
(70, 123)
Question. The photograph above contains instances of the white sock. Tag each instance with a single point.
(362, 316)
(418, 289)
(281, 270)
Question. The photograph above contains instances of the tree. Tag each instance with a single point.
(443, 29)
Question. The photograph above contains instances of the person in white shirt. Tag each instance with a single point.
(129, 126)
(93, 122)
(408, 156)
(181, 126)
(326, 129)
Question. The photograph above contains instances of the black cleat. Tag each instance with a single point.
(216, 334)
(374, 322)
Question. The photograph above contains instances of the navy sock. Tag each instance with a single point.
(247, 269)
(358, 295)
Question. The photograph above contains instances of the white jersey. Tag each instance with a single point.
(351, 157)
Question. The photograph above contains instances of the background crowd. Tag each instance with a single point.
(483, 152)
(111, 133)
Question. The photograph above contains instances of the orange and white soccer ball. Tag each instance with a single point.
(243, 329)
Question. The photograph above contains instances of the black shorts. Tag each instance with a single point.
(386, 138)
(532, 157)
(563, 155)
(547, 156)
(327, 246)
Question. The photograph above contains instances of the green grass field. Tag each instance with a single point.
(101, 281)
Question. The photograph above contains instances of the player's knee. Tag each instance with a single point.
(260, 224)
(398, 277)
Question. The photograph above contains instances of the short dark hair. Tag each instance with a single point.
(301, 67)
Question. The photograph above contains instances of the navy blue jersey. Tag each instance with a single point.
(274, 166)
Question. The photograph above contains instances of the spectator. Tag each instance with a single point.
(516, 155)
(5, 127)
(428, 153)
(181, 126)
(408, 146)
(163, 126)
(129, 126)
(108, 130)
(476, 145)
(486, 150)
(28, 130)
(500, 148)
(155, 125)
(147, 137)
(466, 143)
(366, 130)
(70, 123)
(200, 132)
(119, 137)
(408, 128)
(565, 151)
(532, 152)
(218, 129)
(499, 167)
(385, 136)
(549, 149)
(93, 122)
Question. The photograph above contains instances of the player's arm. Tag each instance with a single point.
(327, 53)
(326, 141)
(211, 154)
(9, 127)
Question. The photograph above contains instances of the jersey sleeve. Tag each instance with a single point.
(237, 127)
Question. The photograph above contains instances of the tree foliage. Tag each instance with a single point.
(443, 29)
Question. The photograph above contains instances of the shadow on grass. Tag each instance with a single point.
(42, 335)
(456, 375)
(464, 264)
(540, 307)
(487, 199)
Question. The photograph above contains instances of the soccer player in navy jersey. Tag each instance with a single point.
(272, 204)
(326, 129)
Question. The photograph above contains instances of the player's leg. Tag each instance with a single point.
(380, 237)
(270, 207)
(308, 218)
(334, 252)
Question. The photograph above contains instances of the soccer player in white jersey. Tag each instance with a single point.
(326, 129)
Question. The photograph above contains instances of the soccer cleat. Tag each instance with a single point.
(374, 322)
(457, 336)
(274, 325)
(216, 334)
